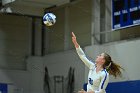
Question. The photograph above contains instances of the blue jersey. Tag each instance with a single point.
(97, 81)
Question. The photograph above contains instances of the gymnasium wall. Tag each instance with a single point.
(17, 81)
(16, 64)
(74, 17)
(28, 9)
(14, 41)
(60, 63)
(14, 46)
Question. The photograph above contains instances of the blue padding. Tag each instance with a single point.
(124, 87)
(3, 88)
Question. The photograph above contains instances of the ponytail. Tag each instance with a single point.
(115, 69)
(112, 68)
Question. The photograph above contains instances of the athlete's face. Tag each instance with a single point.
(100, 59)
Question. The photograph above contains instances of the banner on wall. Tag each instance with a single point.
(125, 13)
(3, 88)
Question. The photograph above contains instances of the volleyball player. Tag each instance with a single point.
(99, 70)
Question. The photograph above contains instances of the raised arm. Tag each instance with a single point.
(74, 40)
(81, 53)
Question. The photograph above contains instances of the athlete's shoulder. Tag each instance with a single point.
(104, 73)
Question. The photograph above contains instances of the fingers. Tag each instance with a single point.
(73, 37)
(73, 34)
(75, 42)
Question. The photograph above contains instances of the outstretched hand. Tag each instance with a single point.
(73, 35)
(74, 40)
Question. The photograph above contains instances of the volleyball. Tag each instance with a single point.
(49, 19)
